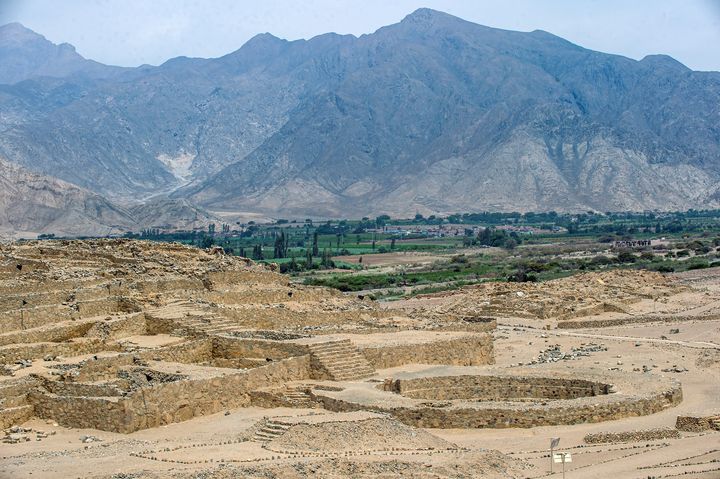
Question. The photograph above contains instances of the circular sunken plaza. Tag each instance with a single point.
(488, 397)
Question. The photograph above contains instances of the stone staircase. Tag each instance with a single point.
(298, 397)
(205, 325)
(271, 429)
(191, 320)
(341, 359)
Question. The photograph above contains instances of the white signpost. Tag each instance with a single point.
(553, 444)
(562, 457)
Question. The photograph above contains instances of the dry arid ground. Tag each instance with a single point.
(125, 359)
(391, 259)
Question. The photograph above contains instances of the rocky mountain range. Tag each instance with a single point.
(432, 115)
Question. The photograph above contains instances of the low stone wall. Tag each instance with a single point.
(14, 416)
(607, 323)
(254, 296)
(224, 279)
(103, 369)
(11, 388)
(475, 324)
(695, 423)
(82, 412)
(496, 388)
(10, 354)
(49, 334)
(122, 327)
(63, 388)
(112, 304)
(640, 396)
(34, 317)
(162, 285)
(231, 348)
(155, 325)
(9, 302)
(472, 418)
(44, 295)
(632, 436)
(197, 351)
(473, 350)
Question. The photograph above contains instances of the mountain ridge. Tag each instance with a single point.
(433, 114)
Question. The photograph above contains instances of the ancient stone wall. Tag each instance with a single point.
(224, 279)
(496, 388)
(229, 348)
(695, 423)
(104, 368)
(163, 285)
(12, 353)
(16, 415)
(473, 350)
(35, 316)
(255, 296)
(196, 351)
(64, 388)
(162, 403)
(631, 436)
(58, 333)
(471, 414)
(116, 328)
(108, 414)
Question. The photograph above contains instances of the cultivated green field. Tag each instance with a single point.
(394, 258)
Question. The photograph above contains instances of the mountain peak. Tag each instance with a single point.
(264, 39)
(426, 17)
(663, 61)
(18, 34)
(256, 50)
(25, 54)
(425, 14)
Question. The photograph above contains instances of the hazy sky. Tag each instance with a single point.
(132, 32)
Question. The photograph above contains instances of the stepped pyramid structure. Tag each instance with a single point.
(123, 335)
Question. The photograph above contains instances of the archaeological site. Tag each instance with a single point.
(129, 359)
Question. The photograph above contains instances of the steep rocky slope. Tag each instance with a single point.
(35, 203)
(32, 203)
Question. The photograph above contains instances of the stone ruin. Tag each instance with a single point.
(122, 335)
(562, 300)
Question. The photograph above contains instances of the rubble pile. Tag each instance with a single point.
(553, 353)
(17, 434)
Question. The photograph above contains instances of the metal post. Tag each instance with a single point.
(563, 461)
(554, 442)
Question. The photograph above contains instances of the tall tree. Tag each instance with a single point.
(315, 250)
